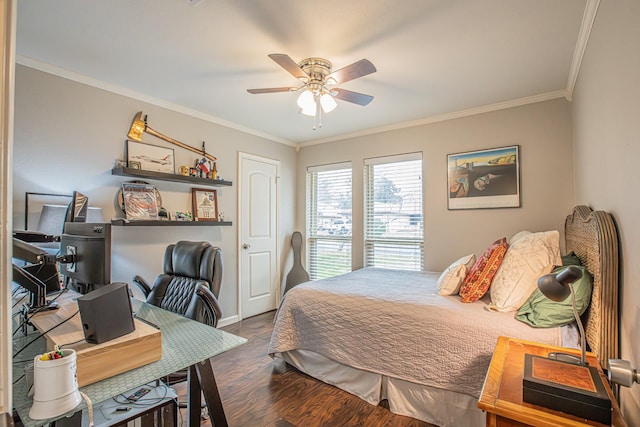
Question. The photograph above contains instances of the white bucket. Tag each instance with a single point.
(55, 386)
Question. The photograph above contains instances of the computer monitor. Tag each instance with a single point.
(88, 245)
(77, 209)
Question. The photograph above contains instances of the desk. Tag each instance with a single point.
(501, 394)
(185, 343)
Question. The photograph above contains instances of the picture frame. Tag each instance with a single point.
(205, 204)
(150, 157)
(140, 201)
(484, 179)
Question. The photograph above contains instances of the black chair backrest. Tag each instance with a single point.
(191, 269)
(197, 260)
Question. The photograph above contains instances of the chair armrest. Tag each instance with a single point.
(210, 304)
(142, 284)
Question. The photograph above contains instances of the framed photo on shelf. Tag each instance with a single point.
(140, 201)
(484, 179)
(150, 157)
(205, 204)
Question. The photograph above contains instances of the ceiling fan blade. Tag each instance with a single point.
(289, 64)
(271, 90)
(349, 96)
(353, 71)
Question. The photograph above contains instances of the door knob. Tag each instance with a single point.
(246, 246)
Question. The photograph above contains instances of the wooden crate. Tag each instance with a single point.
(96, 362)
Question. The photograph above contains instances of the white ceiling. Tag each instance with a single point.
(435, 58)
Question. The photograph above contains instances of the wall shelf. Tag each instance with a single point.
(161, 223)
(139, 173)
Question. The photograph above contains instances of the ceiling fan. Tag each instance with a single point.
(317, 92)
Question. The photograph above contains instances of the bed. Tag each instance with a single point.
(387, 334)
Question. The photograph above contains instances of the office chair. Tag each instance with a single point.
(190, 284)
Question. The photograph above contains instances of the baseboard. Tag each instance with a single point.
(228, 321)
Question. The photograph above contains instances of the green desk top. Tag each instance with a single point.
(184, 342)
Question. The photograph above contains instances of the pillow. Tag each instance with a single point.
(541, 312)
(450, 280)
(529, 256)
(518, 236)
(571, 259)
(477, 282)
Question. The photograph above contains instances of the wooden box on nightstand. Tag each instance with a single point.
(570, 388)
(502, 393)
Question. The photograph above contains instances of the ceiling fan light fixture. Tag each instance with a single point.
(328, 103)
(316, 98)
(306, 100)
(310, 110)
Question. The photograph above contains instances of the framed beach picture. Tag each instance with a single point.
(484, 179)
(149, 157)
(205, 204)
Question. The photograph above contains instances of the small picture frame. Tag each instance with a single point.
(150, 157)
(205, 204)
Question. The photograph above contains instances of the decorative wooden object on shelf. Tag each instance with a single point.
(502, 392)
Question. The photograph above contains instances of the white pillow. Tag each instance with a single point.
(518, 236)
(450, 280)
(528, 257)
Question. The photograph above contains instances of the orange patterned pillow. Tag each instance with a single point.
(477, 282)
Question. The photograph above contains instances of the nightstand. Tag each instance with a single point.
(502, 391)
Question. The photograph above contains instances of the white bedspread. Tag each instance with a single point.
(393, 323)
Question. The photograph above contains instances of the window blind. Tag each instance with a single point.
(393, 223)
(329, 200)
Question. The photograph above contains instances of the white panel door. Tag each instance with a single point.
(258, 269)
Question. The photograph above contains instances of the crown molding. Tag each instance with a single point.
(80, 78)
(588, 18)
(444, 117)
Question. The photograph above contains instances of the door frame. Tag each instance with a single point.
(8, 20)
(242, 156)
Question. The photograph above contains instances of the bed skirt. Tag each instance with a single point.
(436, 406)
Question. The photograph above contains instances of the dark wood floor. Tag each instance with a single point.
(259, 391)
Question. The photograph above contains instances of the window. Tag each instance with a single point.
(393, 223)
(329, 220)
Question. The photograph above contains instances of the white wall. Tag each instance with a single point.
(606, 117)
(68, 136)
(543, 132)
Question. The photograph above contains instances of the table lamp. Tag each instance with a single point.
(557, 287)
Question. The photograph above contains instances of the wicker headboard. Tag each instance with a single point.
(592, 236)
